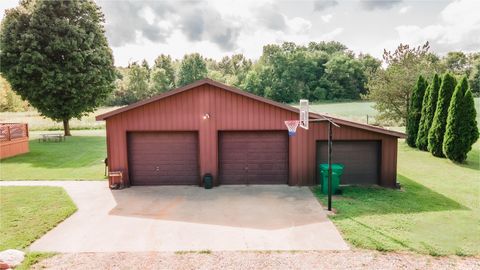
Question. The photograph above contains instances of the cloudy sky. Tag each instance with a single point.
(214, 28)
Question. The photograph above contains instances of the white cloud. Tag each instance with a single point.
(458, 29)
(332, 34)
(299, 25)
(404, 9)
(326, 18)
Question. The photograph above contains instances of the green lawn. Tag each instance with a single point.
(437, 211)
(26, 213)
(80, 157)
(355, 110)
(358, 110)
(37, 122)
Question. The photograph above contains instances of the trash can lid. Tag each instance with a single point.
(335, 167)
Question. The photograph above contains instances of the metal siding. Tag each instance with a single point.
(231, 111)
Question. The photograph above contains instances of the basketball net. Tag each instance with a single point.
(292, 126)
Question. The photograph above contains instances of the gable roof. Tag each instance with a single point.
(250, 95)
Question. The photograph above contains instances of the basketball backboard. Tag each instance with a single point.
(304, 113)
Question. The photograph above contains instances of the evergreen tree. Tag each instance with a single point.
(415, 111)
(457, 141)
(437, 130)
(428, 110)
(470, 117)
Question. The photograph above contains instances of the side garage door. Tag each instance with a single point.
(163, 158)
(249, 158)
(361, 160)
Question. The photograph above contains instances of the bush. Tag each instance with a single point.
(415, 111)
(437, 131)
(455, 141)
(428, 111)
(471, 113)
(462, 130)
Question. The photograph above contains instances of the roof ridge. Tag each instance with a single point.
(233, 89)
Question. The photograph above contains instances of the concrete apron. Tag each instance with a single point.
(187, 218)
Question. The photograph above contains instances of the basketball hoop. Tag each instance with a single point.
(292, 126)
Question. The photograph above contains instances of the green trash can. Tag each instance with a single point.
(337, 171)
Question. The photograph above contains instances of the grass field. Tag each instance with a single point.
(37, 122)
(29, 212)
(356, 110)
(436, 212)
(80, 157)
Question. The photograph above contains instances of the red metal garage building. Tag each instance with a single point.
(208, 127)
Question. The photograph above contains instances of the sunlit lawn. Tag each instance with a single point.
(80, 157)
(29, 212)
(437, 211)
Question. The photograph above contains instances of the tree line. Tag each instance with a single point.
(285, 73)
(442, 117)
(318, 71)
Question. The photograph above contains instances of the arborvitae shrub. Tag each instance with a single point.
(428, 110)
(415, 111)
(471, 114)
(455, 141)
(437, 130)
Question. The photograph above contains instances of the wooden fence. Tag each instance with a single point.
(13, 139)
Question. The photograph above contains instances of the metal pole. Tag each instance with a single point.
(329, 166)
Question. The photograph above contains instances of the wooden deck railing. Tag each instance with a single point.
(13, 131)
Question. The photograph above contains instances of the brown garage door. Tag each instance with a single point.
(163, 158)
(248, 158)
(361, 160)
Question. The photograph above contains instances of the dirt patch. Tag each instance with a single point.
(353, 259)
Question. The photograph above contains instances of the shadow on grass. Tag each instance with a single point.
(74, 152)
(473, 159)
(412, 198)
(472, 162)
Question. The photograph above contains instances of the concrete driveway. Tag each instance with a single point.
(174, 218)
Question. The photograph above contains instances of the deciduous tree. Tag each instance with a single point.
(56, 56)
(192, 68)
(391, 88)
(165, 62)
(137, 83)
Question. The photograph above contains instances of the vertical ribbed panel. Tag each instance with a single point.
(230, 111)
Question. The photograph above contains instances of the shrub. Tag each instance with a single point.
(455, 141)
(428, 110)
(462, 130)
(471, 113)
(437, 130)
(415, 111)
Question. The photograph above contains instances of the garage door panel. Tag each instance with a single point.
(361, 160)
(255, 157)
(163, 158)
